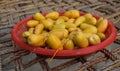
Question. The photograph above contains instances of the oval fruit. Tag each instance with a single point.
(38, 16)
(79, 20)
(102, 26)
(80, 40)
(60, 33)
(68, 45)
(54, 42)
(64, 18)
(52, 15)
(47, 23)
(94, 39)
(32, 23)
(59, 21)
(26, 34)
(36, 40)
(39, 28)
(87, 16)
(101, 35)
(72, 14)
(92, 30)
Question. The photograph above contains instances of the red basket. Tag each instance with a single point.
(20, 27)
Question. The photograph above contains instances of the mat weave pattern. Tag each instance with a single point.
(13, 58)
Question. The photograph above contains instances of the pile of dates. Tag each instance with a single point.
(68, 31)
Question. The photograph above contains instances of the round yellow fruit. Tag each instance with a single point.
(68, 45)
(94, 39)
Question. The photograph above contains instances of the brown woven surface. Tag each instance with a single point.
(13, 58)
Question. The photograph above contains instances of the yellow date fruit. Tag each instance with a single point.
(32, 23)
(38, 16)
(72, 14)
(58, 26)
(87, 16)
(64, 18)
(87, 28)
(92, 30)
(60, 33)
(47, 23)
(91, 21)
(80, 20)
(80, 40)
(39, 28)
(68, 45)
(101, 35)
(52, 15)
(102, 26)
(31, 30)
(26, 34)
(59, 21)
(54, 42)
(36, 40)
(94, 39)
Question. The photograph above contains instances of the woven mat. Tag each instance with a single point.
(13, 58)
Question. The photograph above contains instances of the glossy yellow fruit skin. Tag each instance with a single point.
(45, 33)
(69, 25)
(47, 23)
(70, 21)
(72, 13)
(32, 23)
(39, 28)
(99, 20)
(71, 34)
(87, 35)
(60, 33)
(26, 34)
(52, 15)
(80, 40)
(92, 30)
(31, 30)
(64, 18)
(102, 26)
(36, 40)
(59, 21)
(54, 42)
(87, 28)
(68, 45)
(80, 20)
(101, 35)
(58, 26)
(38, 16)
(74, 29)
(87, 16)
(91, 21)
(94, 39)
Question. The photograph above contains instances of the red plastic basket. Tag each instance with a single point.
(20, 27)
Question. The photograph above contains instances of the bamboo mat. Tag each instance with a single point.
(13, 58)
